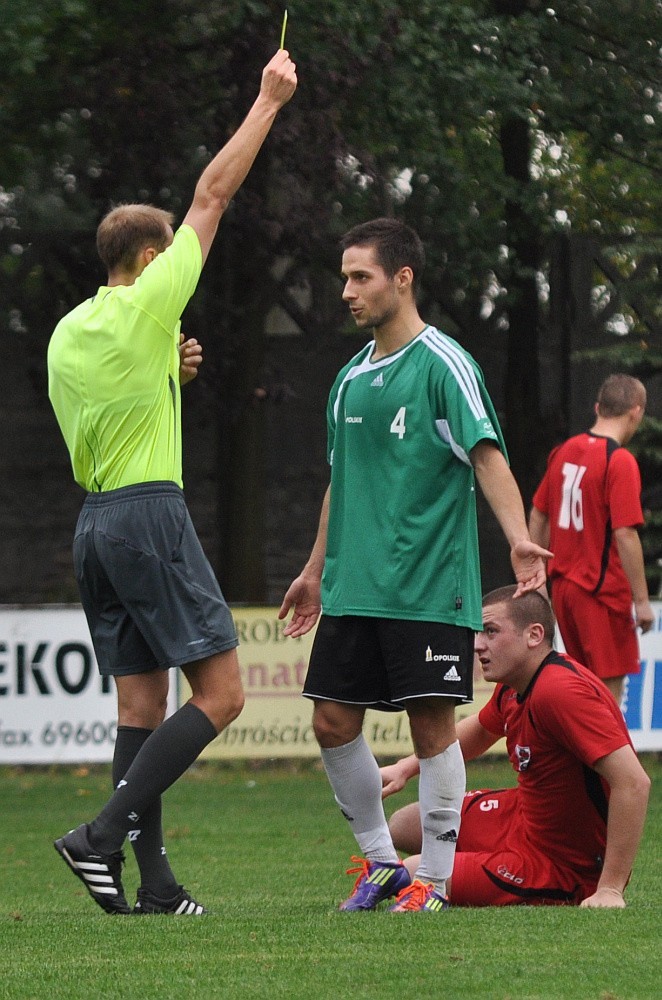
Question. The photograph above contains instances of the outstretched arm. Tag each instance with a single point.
(629, 788)
(304, 593)
(223, 176)
(474, 741)
(395, 776)
(501, 492)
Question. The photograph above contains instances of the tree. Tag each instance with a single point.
(465, 119)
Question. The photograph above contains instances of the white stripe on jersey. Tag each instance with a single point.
(444, 432)
(370, 366)
(461, 369)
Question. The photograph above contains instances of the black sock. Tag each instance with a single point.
(163, 757)
(147, 838)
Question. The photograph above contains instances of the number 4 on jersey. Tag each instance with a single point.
(398, 425)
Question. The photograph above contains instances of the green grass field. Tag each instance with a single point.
(266, 850)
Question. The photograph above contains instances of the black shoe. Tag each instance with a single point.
(99, 873)
(182, 904)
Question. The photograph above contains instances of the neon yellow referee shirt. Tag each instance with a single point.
(113, 374)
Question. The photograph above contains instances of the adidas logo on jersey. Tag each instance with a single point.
(378, 380)
(452, 675)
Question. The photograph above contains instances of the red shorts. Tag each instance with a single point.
(600, 638)
(483, 876)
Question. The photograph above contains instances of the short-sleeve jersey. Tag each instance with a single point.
(565, 721)
(402, 535)
(113, 374)
(591, 487)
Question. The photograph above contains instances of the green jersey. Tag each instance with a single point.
(113, 374)
(402, 535)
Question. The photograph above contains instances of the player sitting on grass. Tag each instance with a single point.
(569, 831)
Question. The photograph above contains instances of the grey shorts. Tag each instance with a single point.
(149, 593)
(383, 662)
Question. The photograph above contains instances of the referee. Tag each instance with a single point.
(115, 366)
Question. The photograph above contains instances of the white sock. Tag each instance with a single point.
(441, 788)
(354, 776)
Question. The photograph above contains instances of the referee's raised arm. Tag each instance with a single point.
(224, 175)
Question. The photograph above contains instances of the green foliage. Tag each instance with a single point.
(489, 126)
(400, 108)
(647, 446)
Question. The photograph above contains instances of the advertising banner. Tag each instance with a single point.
(642, 696)
(642, 692)
(55, 708)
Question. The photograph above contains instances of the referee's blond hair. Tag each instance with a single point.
(128, 229)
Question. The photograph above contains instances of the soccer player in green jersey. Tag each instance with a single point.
(152, 601)
(395, 565)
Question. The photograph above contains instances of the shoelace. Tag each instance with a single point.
(414, 896)
(363, 869)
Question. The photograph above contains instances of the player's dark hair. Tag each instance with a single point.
(529, 609)
(395, 244)
(128, 229)
(618, 394)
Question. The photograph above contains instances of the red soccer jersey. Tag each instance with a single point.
(565, 721)
(591, 487)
